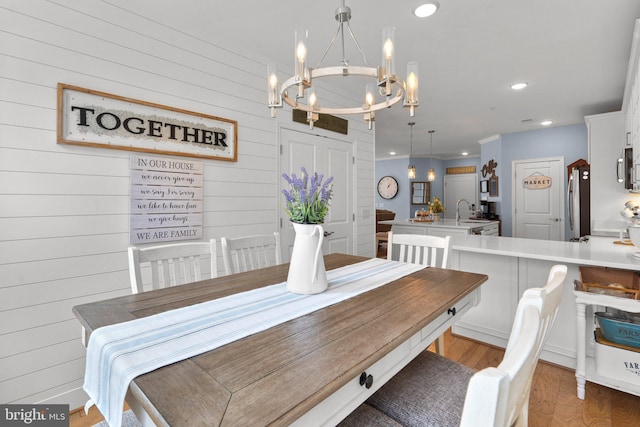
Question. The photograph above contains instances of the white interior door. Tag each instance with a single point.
(538, 213)
(331, 157)
(456, 187)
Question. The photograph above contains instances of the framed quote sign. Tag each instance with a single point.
(97, 119)
(167, 198)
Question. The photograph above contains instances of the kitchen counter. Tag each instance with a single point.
(463, 224)
(515, 265)
(598, 251)
(444, 227)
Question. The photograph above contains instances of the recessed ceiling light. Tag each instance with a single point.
(546, 122)
(426, 9)
(519, 86)
(393, 153)
(464, 153)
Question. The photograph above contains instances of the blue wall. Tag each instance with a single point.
(569, 142)
(397, 168)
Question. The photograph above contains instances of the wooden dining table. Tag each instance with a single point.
(312, 370)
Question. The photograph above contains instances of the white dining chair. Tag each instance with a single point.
(424, 250)
(169, 264)
(419, 249)
(172, 264)
(248, 253)
(435, 391)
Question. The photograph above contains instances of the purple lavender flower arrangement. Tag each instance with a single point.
(307, 201)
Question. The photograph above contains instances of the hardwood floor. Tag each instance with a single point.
(78, 418)
(553, 401)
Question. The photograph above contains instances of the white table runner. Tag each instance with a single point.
(118, 353)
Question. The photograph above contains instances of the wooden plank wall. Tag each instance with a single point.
(64, 209)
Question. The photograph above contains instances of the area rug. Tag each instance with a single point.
(128, 420)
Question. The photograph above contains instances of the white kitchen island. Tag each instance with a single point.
(514, 265)
(443, 227)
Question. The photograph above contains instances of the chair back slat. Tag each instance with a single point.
(171, 264)
(419, 249)
(248, 253)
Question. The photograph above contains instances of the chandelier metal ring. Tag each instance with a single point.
(293, 82)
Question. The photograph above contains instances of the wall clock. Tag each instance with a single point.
(387, 187)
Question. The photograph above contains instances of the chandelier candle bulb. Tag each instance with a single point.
(369, 100)
(272, 86)
(313, 99)
(369, 96)
(313, 103)
(388, 52)
(411, 91)
(300, 58)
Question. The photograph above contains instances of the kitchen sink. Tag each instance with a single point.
(474, 221)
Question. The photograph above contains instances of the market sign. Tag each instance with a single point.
(537, 182)
(97, 119)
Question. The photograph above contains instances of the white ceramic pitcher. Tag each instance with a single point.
(307, 273)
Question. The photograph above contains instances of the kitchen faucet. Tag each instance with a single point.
(458, 208)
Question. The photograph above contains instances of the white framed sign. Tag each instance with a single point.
(98, 119)
(166, 199)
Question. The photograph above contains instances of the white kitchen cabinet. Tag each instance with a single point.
(607, 140)
(631, 105)
(620, 361)
(491, 320)
(509, 277)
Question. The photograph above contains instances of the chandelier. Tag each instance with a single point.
(300, 85)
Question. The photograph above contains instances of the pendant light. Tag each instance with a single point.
(412, 168)
(431, 175)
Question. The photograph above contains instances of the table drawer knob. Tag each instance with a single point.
(363, 378)
(452, 311)
(366, 380)
(369, 382)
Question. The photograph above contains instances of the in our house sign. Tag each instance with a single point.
(166, 199)
(98, 119)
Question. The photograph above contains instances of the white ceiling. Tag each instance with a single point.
(574, 54)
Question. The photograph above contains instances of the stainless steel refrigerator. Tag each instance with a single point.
(578, 200)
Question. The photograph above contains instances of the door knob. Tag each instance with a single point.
(327, 233)
(554, 219)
